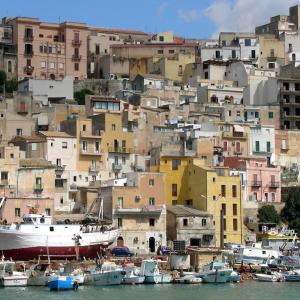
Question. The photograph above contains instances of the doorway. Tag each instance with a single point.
(152, 244)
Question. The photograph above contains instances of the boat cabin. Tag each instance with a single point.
(37, 219)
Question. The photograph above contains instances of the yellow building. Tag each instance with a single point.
(189, 182)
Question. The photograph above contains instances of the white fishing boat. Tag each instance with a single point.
(234, 277)
(215, 272)
(11, 278)
(38, 237)
(133, 276)
(150, 270)
(107, 274)
(188, 279)
(270, 277)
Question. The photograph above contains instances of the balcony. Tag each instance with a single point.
(274, 184)
(94, 169)
(28, 53)
(38, 188)
(120, 150)
(256, 183)
(76, 57)
(90, 152)
(234, 135)
(146, 210)
(28, 70)
(28, 38)
(116, 167)
(59, 169)
(73, 187)
(4, 182)
(76, 43)
(86, 135)
(272, 58)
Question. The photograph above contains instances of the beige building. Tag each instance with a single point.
(50, 50)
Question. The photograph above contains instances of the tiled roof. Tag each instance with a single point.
(29, 138)
(58, 134)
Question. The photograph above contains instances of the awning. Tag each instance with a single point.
(238, 128)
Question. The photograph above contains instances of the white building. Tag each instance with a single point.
(44, 90)
(262, 142)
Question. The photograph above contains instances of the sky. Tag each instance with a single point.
(187, 18)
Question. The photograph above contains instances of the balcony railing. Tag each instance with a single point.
(120, 149)
(38, 187)
(28, 69)
(4, 182)
(28, 38)
(94, 169)
(116, 167)
(59, 169)
(256, 183)
(76, 43)
(89, 152)
(274, 184)
(76, 57)
(28, 53)
(234, 135)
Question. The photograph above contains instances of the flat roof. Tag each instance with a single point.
(184, 211)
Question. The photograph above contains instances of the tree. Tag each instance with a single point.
(268, 214)
(11, 85)
(291, 211)
(80, 96)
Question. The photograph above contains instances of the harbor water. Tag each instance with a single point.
(248, 290)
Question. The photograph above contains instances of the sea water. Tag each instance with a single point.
(248, 290)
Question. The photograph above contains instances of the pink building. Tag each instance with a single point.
(263, 181)
(50, 50)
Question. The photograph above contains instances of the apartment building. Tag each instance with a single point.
(50, 50)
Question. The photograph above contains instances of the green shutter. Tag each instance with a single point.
(268, 147)
(257, 146)
(271, 115)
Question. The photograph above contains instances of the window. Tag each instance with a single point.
(59, 183)
(180, 70)
(224, 209)
(171, 51)
(233, 54)
(235, 224)
(204, 223)
(97, 147)
(52, 65)
(225, 146)
(174, 202)
(256, 114)
(175, 164)
(271, 65)
(160, 51)
(9, 66)
(247, 42)
(266, 197)
(83, 127)
(224, 224)
(97, 49)
(17, 212)
(234, 209)
(64, 145)
(223, 190)
(271, 115)
(268, 146)
(113, 127)
(151, 201)
(174, 189)
(43, 64)
(11, 155)
(151, 182)
(151, 222)
(120, 202)
(185, 222)
(257, 146)
(48, 211)
(124, 160)
(61, 66)
(76, 67)
(61, 200)
(161, 38)
(253, 54)
(74, 178)
(120, 222)
(51, 228)
(273, 197)
(84, 146)
(234, 191)
(19, 131)
(218, 55)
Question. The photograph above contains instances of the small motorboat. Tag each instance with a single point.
(9, 277)
(215, 272)
(270, 277)
(150, 270)
(133, 276)
(62, 283)
(292, 276)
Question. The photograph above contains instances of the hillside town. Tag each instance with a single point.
(166, 138)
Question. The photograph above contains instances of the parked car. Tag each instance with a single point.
(121, 251)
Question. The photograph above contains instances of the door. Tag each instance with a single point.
(152, 244)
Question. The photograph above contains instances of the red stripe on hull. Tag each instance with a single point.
(57, 252)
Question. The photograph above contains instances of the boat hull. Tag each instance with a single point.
(134, 280)
(54, 252)
(159, 278)
(220, 276)
(61, 283)
(13, 281)
(104, 278)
